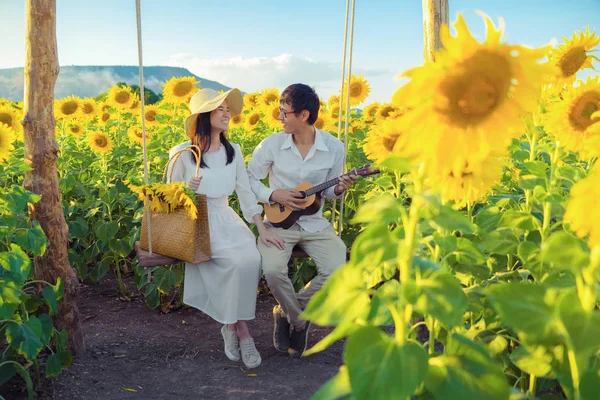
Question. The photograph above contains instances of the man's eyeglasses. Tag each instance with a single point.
(285, 113)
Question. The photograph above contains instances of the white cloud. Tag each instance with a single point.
(256, 73)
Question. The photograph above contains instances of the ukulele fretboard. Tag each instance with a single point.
(323, 186)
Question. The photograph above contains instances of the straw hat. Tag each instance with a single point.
(206, 100)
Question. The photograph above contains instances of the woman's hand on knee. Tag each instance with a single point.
(270, 238)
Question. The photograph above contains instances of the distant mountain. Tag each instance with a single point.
(90, 81)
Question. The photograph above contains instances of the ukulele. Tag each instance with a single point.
(282, 217)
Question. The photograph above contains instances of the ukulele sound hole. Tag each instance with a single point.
(281, 208)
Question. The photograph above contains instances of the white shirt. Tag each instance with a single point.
(278, 156)
(219, 180)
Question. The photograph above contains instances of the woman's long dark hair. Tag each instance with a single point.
(203, 139)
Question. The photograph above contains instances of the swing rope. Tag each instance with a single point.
(346, 106)
(143, 118)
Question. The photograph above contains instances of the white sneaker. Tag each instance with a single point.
(232, 344)
(250, 355)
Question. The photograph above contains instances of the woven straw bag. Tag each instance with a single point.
(175, 234)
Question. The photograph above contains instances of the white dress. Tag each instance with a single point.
(225, 287)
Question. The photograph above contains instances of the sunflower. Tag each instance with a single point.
(179, 90)
(582, 211)
(472, 98)
(271, 113)
(322, 106)
(359, 90)
(574, 55)
(334, 112)
(324, 122)
(75, 128)
(384, 111)
(383, 140)
(370, 111)
(150, 114)
(576, 119)
(7, 138)
(334, 100)
(89, 109)
(268, 96)
(252, 120)
(135, 135)
(135, 104)
(120, 97)
(99, 142)
(251, 98)
(9, 116)
(105, 116)
(237, 121)
(474, 181)
(69, 107)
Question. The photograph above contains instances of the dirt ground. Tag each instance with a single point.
(137, 353)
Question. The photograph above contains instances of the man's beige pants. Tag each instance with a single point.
(326, 249)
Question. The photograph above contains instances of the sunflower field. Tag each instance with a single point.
(475, 263)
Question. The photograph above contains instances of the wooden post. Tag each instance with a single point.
(41, 152)
(435, 13)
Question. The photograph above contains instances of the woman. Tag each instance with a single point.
(224, 287)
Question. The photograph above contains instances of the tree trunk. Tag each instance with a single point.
(435, 13)
(41, 150)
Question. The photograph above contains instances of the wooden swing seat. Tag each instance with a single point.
(147, 261)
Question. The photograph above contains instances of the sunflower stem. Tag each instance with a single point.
(397, 186)
(532, 143)
(532, 380)
(548, 205)
(574, 373)
(431, 348)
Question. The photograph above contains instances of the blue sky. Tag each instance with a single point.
(265, 43)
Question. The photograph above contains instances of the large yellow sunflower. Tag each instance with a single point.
(237, 121)
(470, 101)
(89, 109)
(324, 122)
(271, 113)
(136, 136)
(251, 99)
(359, 90)
(99, 142)
(573, 55)
(135, 104)
(69, 107)
(383, 140)
(583, 212)
(385, 111)
(75, 128)
(120, 97)
(252, 120)
(269, 96)
(10, 117)
(473, 183)
(576, 118)
(334, 112)
(7, 138)
(334, 100)
(370, 111)
(150, 113)
(105, 117)
(179, 90)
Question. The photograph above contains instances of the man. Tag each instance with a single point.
(298, 154)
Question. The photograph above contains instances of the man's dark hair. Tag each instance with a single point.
(302, 97)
